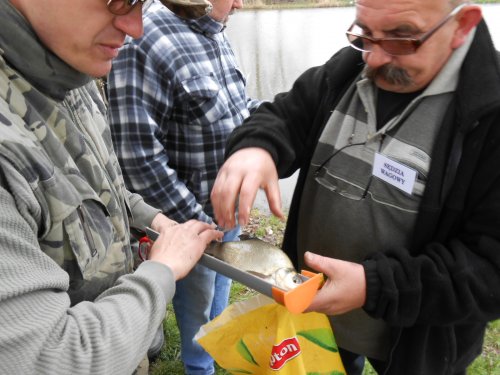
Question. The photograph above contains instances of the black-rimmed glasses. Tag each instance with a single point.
(394, 46)
(188, 9)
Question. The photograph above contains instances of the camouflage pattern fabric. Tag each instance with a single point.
(63, 151)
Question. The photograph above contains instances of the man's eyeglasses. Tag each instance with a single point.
(189, 9)
(394, 46)
(324, 176)
(121, 7)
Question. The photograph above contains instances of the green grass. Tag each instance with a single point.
(489, 361)
(269, 223)
(271, 229)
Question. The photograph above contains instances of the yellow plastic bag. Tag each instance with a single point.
(259, 336)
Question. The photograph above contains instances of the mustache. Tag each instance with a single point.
(389, 73)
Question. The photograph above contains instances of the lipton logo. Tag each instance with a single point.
(283, 352)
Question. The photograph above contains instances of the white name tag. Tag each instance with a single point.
(394, 173)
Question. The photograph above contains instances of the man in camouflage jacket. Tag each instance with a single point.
(68, 300)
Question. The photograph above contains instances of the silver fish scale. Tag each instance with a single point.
(257, 257)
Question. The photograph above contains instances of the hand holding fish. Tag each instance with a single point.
(180, 246)
(345, 288)
(242, 175)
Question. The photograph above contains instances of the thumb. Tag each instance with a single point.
(316, 262)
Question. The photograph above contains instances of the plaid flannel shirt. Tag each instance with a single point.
(175, 95)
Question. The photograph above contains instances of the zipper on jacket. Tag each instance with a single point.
(89, 142)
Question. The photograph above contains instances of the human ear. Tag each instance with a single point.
(467, 19)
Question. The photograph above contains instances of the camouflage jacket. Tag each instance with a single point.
(58, 156)
(64, 224)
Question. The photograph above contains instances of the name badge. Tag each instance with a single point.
(394, 173)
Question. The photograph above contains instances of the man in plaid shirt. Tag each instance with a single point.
(175, 95)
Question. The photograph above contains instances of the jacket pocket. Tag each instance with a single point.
(204, 101)
(90, 234)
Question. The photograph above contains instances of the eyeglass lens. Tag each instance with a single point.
(347, 190)
(120, 7)
(324, 175)
(391, 46)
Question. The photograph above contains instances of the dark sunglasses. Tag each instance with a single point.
(394, 46)
(188, 9)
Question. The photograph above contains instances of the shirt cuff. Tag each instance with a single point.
(161, 274)
(142, 213)
(372, 285)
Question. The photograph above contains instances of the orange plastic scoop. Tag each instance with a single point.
(298, 299)
(295, 300)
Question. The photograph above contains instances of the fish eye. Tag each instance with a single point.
(296, 279)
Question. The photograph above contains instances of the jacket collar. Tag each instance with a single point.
(206, 25)
(477, 91)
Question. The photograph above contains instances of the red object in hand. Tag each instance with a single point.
(144, 247)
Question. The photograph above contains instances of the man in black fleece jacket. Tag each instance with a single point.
(397, 140)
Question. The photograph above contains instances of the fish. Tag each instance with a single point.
(258, 258)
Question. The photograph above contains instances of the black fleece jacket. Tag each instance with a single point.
(439, 294)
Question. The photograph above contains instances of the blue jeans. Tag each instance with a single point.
(353, 363)
(202, 294)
